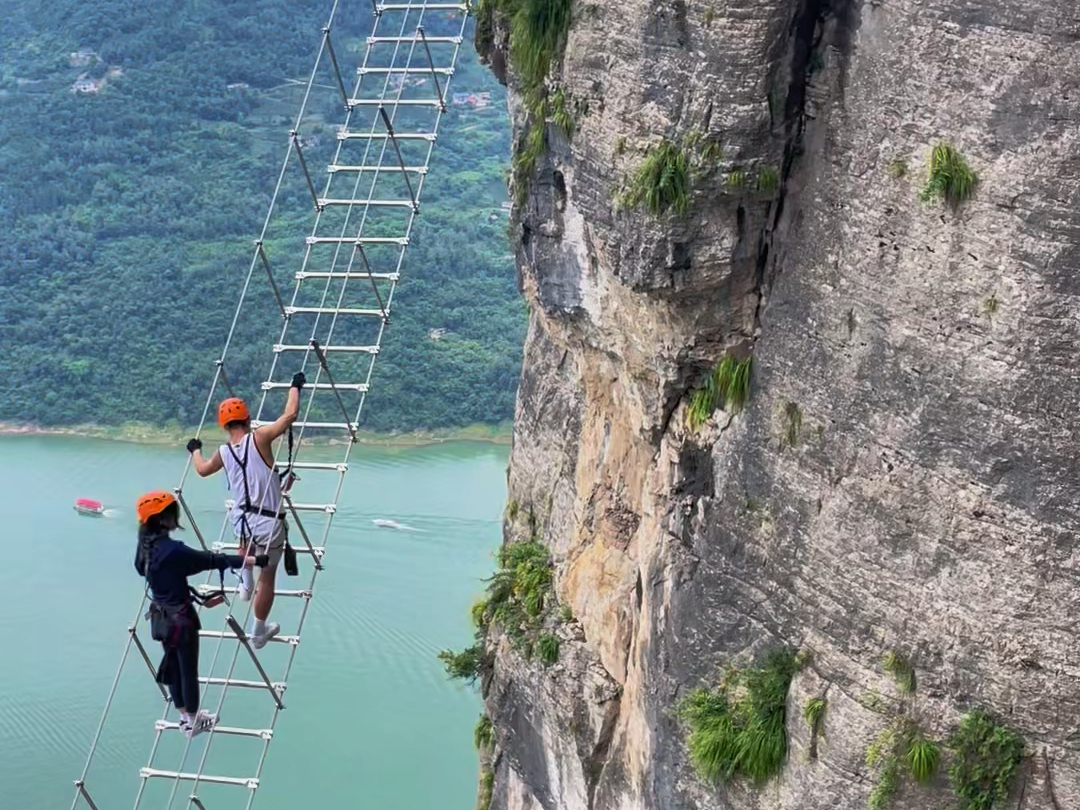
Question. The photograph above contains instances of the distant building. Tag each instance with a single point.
(471, 99)
(237, 86)
(436, 334)
(84, 84)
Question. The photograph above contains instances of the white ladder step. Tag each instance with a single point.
(302, 274)
(303, 347)
(328, 201)
(334, 311)
(341, 167)
(318, 551)
(351, 426)
(451, 40)
(207, 589)
(442, 71)
(422, 6)
(242, 781)
(346, 135)
(294, 640)
(328, 508)
(240, 683)
(357, 240)
(361, 387)
(340, 466)
(261, 733)
(400, 102)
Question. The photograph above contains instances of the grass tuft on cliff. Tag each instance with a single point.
(484, 733)
(738, 729)
(661, 183)
(728, 385)
(951, 178)
(985, 758)
(548, 648)
(922, 758)
(900, 668)
(537, 37)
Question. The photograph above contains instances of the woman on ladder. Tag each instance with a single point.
(166, 564)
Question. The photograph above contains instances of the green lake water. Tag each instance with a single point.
(370, 721)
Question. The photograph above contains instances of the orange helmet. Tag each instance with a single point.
(232, 410)
(153, 503)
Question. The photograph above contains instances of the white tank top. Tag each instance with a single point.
(263, 486)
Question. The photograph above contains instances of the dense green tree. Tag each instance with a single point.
(128, 216)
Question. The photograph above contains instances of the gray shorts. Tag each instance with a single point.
(272, 545)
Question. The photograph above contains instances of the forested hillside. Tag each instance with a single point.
(139, 146)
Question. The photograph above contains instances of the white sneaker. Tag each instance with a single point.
(203, 721)
(259, 641)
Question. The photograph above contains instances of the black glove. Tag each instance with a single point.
(298, 380)
(262, 561)
(193, 445)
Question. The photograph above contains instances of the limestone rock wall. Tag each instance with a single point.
(931, 499)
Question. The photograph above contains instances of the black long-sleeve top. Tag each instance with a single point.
(172, 562)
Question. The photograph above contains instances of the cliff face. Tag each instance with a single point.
(901, 477)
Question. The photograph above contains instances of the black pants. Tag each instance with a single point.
(179, 669)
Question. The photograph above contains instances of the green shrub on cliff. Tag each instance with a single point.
(985, 757)
(738, 729)
(662, 181)
(467, 665)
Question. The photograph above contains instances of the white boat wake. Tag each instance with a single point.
(393, 524)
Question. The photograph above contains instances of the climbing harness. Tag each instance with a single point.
(247, 536)
(336, 317)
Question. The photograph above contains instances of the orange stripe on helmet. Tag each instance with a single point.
(232, 410)
(153, 503)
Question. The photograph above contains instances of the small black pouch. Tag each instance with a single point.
(290, 560)
(159, 622)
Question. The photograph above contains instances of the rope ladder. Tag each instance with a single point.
(333, 325)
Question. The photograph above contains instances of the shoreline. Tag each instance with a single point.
(138, 433)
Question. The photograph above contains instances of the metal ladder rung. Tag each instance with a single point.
(208, 589)
(240, 781)
(222, 634)
(318, 551)
(359, 387)
(426, 71)
(346, 135)
(340, 466)
(335, 311)
(328, 508)
(240, 683)
(357, 240)
(302, 274)
(422, 6)
(429, 40)
(397, 102)
(327, 201)
(340, 167)
(303, 347)
(313, 425)
(261, 733)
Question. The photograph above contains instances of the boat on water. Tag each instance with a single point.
(86, 506)
(386, 524)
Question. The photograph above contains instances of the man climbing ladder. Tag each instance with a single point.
(258, 517)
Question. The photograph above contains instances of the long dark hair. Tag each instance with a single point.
(156, 526)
